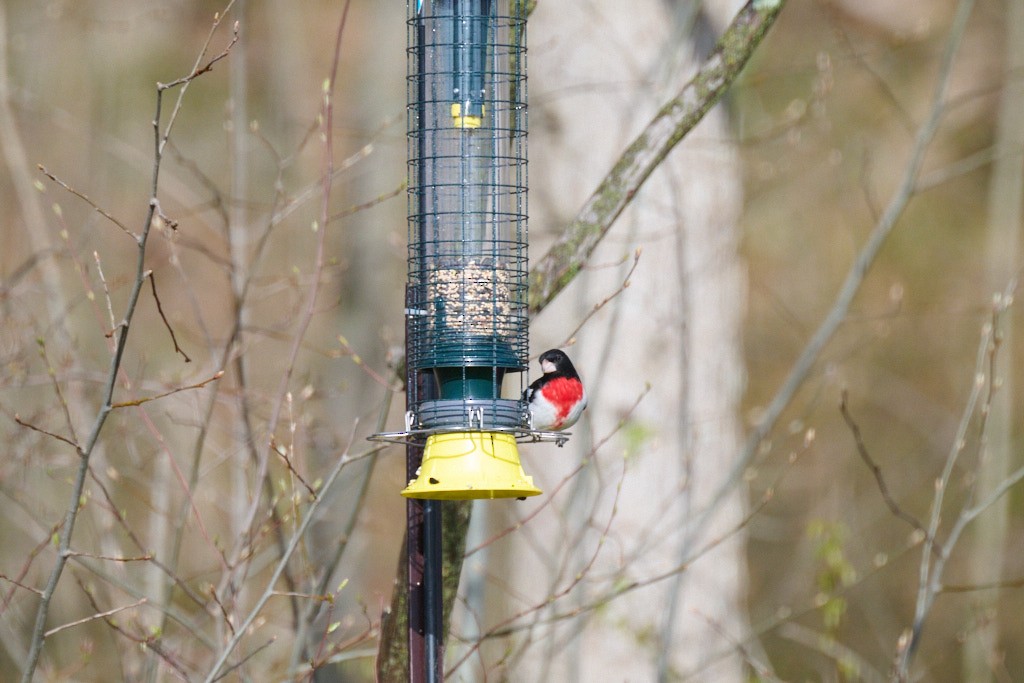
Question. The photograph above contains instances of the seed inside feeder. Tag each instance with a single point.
(474, 299)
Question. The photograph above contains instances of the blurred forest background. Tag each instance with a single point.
(882, 497)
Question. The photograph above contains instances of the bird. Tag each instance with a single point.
(557, 398)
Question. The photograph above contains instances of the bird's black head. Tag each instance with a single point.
(555, 361)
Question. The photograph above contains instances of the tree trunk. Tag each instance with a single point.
(981, 651)
(676, 328)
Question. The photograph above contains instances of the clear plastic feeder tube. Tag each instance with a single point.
(467, 170)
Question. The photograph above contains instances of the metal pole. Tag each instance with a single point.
(414, 577)
(423, 534)
(414, 527)
(432, 603)
(420, 385)
(431, 529)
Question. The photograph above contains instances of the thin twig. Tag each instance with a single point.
(146, 399)
(149, 642)
(883, 488)
(93, 617)
(223, 612)
(106, 291)
(319, 655)
(160, 309)
(53, 435)
(17, 583)
(200, 67)
(291, 468)
(970, 588)
(961, 167)
(310, 191)
(571, 338)
(26, 565)
(96, 207)
(246, 658)
(140, 558)
(347, 350)
(369, 204)
(117, 514)
(52, 373)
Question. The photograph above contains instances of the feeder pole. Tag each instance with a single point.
(414, 529)
(432, 600)
(423, 555)
(423, 532)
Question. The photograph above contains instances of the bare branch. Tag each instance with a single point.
(674, 120)
(246, 658)
(199, 69)
(96, 207)
(52, 373)
(369, 204)
(147, 399)
(106, 292)
(971, 588)
(883, 488)
(33, 554)
(291, 468)
(141, 558)
(347, 350)
(93, 617)
(226, 618)
(571, 338)
(160, 309)
(149, 642)
(19, 584)
(113, 510)
(48, 433)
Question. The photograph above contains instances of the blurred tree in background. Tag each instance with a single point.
(869, 160)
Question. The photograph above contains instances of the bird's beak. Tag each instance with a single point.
(547, 367)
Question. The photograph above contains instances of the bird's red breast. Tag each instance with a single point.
(564, 394)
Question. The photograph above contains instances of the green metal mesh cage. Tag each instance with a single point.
(467, 208)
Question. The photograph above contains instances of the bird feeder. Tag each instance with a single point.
(467, 325)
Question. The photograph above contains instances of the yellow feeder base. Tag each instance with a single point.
(469, 465)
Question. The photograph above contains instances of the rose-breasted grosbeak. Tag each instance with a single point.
(557, 398)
